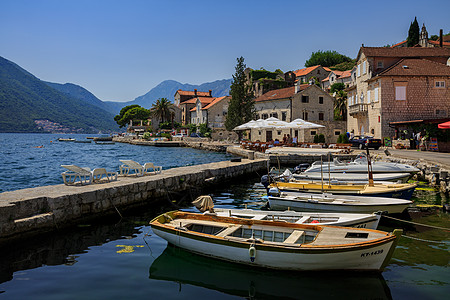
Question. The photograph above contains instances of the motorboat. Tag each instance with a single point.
(325, 202)
(395, 190)
(359, 165)
(362, 178)
(278, 245)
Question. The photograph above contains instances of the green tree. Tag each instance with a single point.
(242, 107)
(162, 110)
(136, 114)
(326, 59)
(340, 106)
(120, 117)
(344, 66)
(413, 34)
(338, 86)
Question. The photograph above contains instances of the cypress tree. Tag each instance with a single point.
(413, 34)
(242, 107)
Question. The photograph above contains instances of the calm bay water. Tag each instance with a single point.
(22, 165)
(122, 259)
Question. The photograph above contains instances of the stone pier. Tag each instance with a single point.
(33, 210)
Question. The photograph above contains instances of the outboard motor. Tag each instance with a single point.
(274, 192)
(265, 181)
(301, 168)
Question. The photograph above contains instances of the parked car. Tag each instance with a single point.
(365, 141)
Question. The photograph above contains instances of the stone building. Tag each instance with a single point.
(262, 81)
(316, 72)
(336, 76)
(181, 96)
(188, 106)
(304, 101)
(395, 85)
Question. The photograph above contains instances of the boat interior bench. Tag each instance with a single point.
(229, 230)
(295, 236)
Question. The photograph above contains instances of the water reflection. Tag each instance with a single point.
(60, 247)
(183, 267)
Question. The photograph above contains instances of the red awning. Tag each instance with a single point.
(445, 125)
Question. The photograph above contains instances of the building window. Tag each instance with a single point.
(337, 132)
(264, 116)
(283, 116)
(257, 116)
(380, 65)
(305, 99)
(376, 95)
(305, 116)
(368, 96)
(274, 115)
(400, 93)
(320, 100)
(439, 84)
(364, 67)
(321, 116)
(279, 132)
(358, 71)
(313, 132)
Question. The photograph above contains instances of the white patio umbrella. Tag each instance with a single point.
(302, 124)
(245, 126)
(271, 123)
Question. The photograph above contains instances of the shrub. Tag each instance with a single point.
(321, 138)
(147, 135)
(316, 138)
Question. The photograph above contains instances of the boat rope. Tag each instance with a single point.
(419, 224)
(423, 240)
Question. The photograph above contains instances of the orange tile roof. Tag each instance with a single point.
(398, 44)
(203, 100)
(327, 69)
(192, 93)
(346, 74)
(218, 99)
(417, 67)
(302, 72)
(326, 79)
(444, 44)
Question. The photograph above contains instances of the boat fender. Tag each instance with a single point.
(252, 252)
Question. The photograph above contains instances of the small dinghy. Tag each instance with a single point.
(369, 221)
(335, 203)
(278, 245)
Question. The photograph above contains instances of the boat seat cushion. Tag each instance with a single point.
(294, 237)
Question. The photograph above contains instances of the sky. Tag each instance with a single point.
(119, 50)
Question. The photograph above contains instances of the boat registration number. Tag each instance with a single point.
(372, 253)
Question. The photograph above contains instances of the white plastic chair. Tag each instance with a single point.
(130, 166)
(85, 175)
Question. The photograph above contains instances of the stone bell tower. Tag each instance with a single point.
(423, 38)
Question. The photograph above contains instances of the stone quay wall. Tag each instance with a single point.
(33, 210)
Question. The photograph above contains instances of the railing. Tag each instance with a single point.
(360, 108)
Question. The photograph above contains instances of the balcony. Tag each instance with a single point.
(359, 109)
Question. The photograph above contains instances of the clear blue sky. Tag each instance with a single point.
(119, 50)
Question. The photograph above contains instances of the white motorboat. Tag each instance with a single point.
(334, 203)
(352, 177)
(359, 165)
(278, 245)
(369, 221)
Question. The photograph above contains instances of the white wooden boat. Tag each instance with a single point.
(66, 140)
(352, 177)
(369, 221)
(335, 203)
(278, 245)
(359, 165)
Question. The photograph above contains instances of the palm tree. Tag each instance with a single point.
(340, 105)
(162, 109)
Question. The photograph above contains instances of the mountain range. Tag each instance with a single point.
(26, 102)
